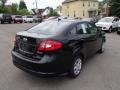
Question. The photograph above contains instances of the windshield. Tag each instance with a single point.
(8, 16)
(49, 27)
(106, 20)
(18, 16)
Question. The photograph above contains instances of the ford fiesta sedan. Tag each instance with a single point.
(57, 46)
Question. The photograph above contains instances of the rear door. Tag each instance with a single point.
(82, 38)
(90, 39)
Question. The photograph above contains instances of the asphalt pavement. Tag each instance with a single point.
(101, 72)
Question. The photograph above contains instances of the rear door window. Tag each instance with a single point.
(92, 29)
(82, 28)
(79, 29)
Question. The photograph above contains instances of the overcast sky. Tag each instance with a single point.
(41, 3)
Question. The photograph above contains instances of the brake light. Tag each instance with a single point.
(49, 45)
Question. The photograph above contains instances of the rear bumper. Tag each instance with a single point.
(54, 67)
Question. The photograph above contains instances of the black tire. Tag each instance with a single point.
(1, 22)
(10, 22)
(118, 32)
(102, 49)
(110, 29)
(75, 70)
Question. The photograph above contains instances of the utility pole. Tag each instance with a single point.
(36, 7)
(107, 7)
(36, 4)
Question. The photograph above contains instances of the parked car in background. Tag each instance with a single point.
(108, 23)
(37, 18)
(57, 46)
(51, 18)
(17, 19)
(5, 18)
(118, 31)
(28, 19)
(91, 20)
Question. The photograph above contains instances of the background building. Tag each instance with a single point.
(80, 8)
(105, 10)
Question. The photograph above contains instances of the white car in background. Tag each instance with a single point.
(108, 23)
(28, 19)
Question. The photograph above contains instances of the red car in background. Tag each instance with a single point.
(17, 19)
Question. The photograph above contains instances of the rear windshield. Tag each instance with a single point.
(18, 16)
(49, 27)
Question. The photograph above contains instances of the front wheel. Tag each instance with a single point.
(76, 67)
(110, 29)
(102, 49)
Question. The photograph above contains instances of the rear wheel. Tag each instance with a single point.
(1, 22)
(76, 67)
(10, 22)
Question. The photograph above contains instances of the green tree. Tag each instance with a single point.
(0, 9)
(101, 4)
(3, 2)
(23, 12)
(114, 8)
(14, 8)
(53, 12)
(22, 5)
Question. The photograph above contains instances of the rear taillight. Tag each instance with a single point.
(49, 45)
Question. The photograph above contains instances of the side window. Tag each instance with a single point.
(117, 19)
(81, 29)
(92, 29)
(73, 31)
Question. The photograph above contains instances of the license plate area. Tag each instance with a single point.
(27, 48)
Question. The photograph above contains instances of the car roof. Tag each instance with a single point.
(110, 17)
(72, 21)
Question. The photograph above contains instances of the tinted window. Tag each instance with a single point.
(81, 28)
(50, 27)
(73, 31)
(91, 29)
(18, 16)
(8, 16)
(116, 19)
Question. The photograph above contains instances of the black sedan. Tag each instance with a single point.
(57, 46)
